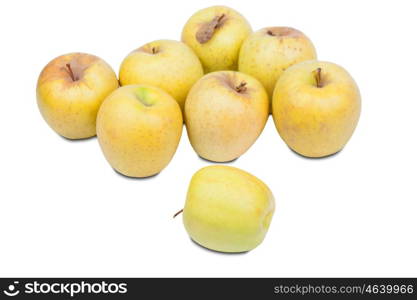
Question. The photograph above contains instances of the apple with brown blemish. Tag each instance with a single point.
(225, 112)
(268, 52)
(70, 90)
(216, 34)
(169, 65)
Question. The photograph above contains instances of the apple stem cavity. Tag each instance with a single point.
(206, 31)
(178, 212)
(241, 88)
(70, 72)
(317, 75)
(269, 32)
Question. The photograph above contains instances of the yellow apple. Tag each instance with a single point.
(216, 34)
(316, 107)
(70, 91)
(139, 128)
(169, 65)
(227, 209)
(225, 112)
(266, 53)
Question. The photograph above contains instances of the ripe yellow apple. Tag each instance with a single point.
(216, 34)
(266, 53)
(225, 112)
(139, 128)
(169, 65)
(316, 107)
(70, 91)
(227, 209)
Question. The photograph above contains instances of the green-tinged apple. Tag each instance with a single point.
(225, 112)
(316, 107)
(139, 128)
(268, 52)
(169, 65)
(227, 209)
(216, 34)
(70, 90)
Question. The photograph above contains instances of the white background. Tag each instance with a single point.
(65, 212)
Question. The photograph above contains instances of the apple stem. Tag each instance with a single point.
(153, 50)
(241, 87)
(317, 74)
(219, 21)
(70, 72)
(177, 213)
(270, 33)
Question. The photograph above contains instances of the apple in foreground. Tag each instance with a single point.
(227, 209)
(216, 34)
(225, 112)
(316, 107)
(169, 65)
(139, 128)
(70, 90)
(268, 52)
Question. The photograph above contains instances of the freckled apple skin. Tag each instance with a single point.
(316, 122)
(221, 123)
(221, 52)
(268, 52)
(227, 209)
(70, 107)
(139, 128)
(174, 68)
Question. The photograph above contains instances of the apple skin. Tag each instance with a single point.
(169, 65)
(139, 128)
(316, 121)
(227, 209)
(70, 107)
(221, 51)
(221, 122)
(268, 52)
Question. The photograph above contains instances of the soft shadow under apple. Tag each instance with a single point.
(77, 140)
(135, 178)
(217, 252)
(316, 158)
(217, 162)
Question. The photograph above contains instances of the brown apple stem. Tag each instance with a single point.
(270, 33)
(241, 87)
(317, 75)
(177, 213)
(70, 72)
(153, 50)
(219, 21)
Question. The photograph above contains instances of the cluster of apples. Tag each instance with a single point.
(222, 80)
